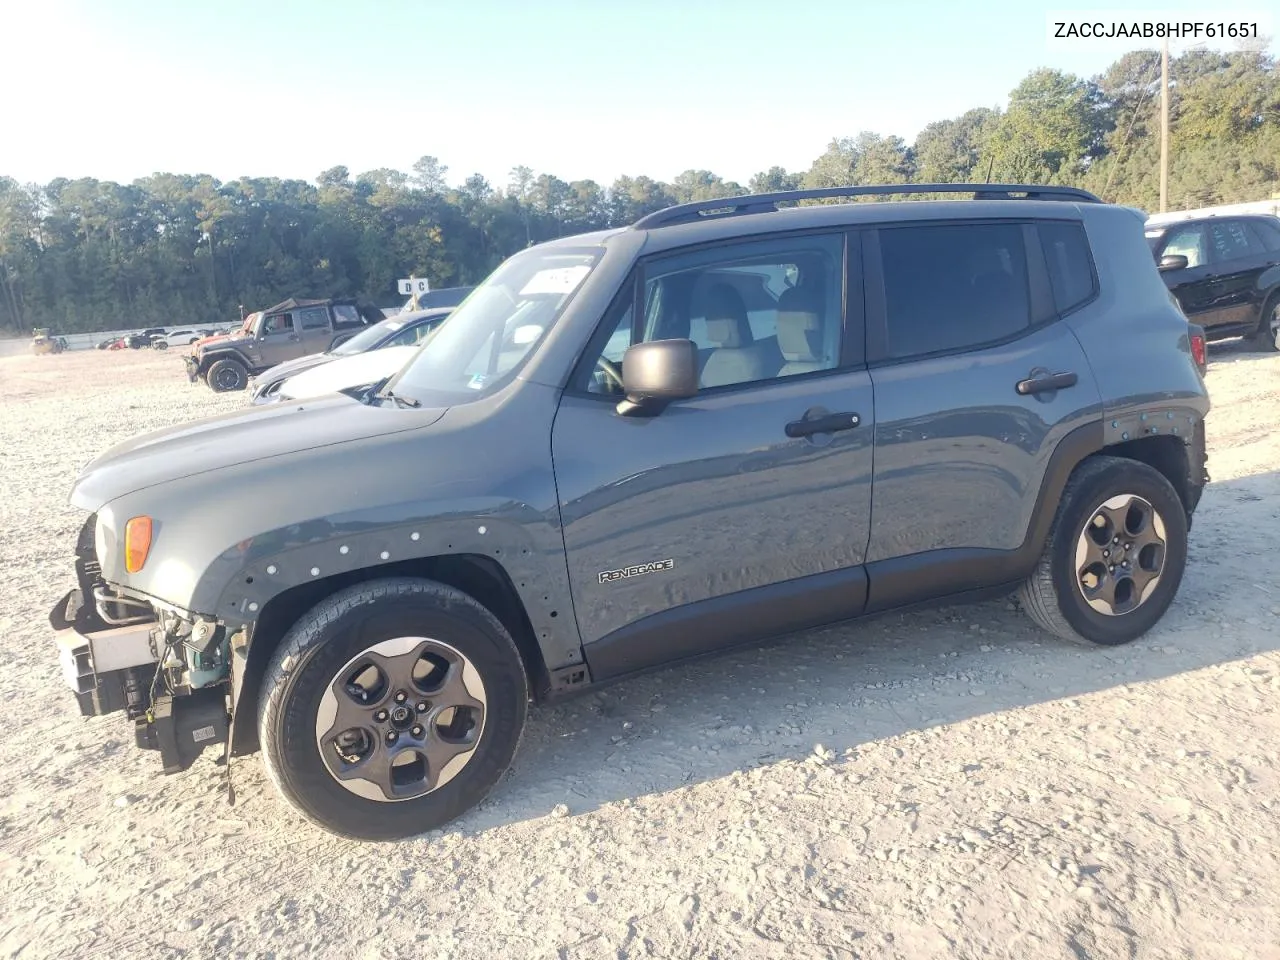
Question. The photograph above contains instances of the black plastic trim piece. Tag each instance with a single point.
(721, 622)
(768, 202)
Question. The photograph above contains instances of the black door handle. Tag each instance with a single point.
(1053, 381)
(829, 423)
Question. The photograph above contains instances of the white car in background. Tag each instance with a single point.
(341, 374)
(182, 337)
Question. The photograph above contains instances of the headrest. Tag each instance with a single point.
(727, 325)
(800, 325)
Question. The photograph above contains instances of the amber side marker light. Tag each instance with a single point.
(137, 541)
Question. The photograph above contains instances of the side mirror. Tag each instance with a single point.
(1173, 261)
(655, 373)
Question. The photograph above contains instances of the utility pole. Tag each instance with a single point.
(1164, 127)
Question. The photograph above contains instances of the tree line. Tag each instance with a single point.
(80, 255)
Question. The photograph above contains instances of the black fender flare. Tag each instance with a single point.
(241, 585)
(207, 360)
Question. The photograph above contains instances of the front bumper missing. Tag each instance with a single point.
(111, 669)
(103, 665)
(193, 367)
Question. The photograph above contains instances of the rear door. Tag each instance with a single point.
(312, 326)
(976, 382)
(731, 514)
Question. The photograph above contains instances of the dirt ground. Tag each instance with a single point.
(939, 784)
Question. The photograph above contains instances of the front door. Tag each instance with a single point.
(1238, 258)
(279, 341)
(740, 512)
(977, 379)
(1193, 285)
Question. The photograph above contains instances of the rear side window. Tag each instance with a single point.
(1066, 254)
(1230, 241)
(313, 318)
(346, 315)
(953, 286)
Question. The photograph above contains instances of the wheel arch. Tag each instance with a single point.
(482, 578)
(207, 360)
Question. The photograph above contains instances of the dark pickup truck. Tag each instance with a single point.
(292, 328)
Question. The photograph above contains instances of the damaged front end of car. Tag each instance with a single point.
(122, 651)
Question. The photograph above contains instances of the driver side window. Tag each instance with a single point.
(1188, 242)
(756, 311)
(278, 323)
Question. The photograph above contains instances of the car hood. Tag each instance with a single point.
(290, 367)
(352, 371)
(239, 437)
(220, 338)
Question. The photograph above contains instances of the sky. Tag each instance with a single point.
(121, 89)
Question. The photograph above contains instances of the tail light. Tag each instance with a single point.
(1197, 348)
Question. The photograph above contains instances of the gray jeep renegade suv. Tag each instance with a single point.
(732, 420)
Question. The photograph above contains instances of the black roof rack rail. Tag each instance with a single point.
(768, 202)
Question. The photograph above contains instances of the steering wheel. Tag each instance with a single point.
(611, 371)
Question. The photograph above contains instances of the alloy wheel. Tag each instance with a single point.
(401, 719)
(1120, 555)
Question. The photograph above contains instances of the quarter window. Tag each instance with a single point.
(953, 286)
(1070, 267)
(1268, 231)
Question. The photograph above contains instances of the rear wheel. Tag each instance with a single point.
(227, 375)
(391, 708)
(1267, 336)
(161, 345)
(1115, 556)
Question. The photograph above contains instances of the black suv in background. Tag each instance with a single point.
(1225, 273)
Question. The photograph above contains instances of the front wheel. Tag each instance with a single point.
(1115, 556)
(161, 345)
(391, 708)
(227, 375)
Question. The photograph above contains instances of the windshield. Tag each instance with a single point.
(367, 337)
(250, 324)
(482, 343)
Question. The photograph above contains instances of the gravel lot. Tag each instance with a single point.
(940, 784)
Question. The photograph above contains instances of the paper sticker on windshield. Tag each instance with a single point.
(477, 381)
(561, 280)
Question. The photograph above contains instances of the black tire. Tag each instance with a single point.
(341, 627)
(1267, 336)
(161, 345)
(227, 375)
(1052, 595)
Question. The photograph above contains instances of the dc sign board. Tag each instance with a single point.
(415, 286)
